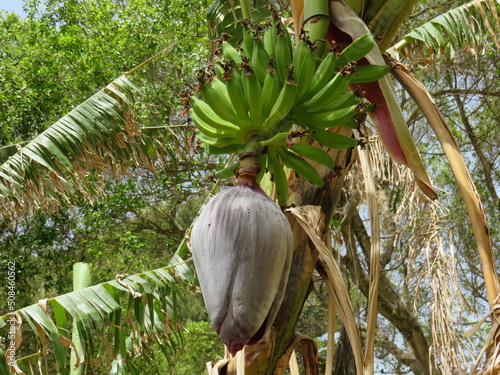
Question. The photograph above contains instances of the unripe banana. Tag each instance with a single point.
(323, 73)
(215, 142)
(230, 53)
(282, 106)
(216, 99)
(323, 120)
(280, 139)
(283, 53)
(230, 149)
(270, 38)
(237, 96)
(208, 129)
(279, 177)
(219, 71)
(270, 92)
(369, 73)
(334, 140)
(227, 172)
(220, 86)
(314, 153)
(248, 39)
(345, 100)
(331, 91)
(304, 65)
(260, 59)
(351, 124)
(207, 115)
(356, 50)
(299, 165)
(253, 95)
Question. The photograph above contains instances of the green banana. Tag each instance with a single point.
(230, 149)
(369, 73)
(208, 116)
(270, 38)
(314, 153)
(216, 99)
(331, 91)
(279, 139)
(253, 94)
(248, 39)
(334, 140)
(282, 106)
(260, 175)
(304, 64)
(323, 73)
(283, 53)
(215, 142)
(260, 59)
(270, 92)
(323, 120)
(299, 165)
(231, 53)
(279, 176)
(208, 129)
(228, 171)
(218, 143)
(356, 50)
(219, 71)
(345, 100)
(237, 97)
(351, 124)
(221, 88)
(207, 140)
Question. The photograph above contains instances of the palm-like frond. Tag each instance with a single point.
(98, 137)
(462, 28)
(384, 17)
(138, 312)
(224, 16)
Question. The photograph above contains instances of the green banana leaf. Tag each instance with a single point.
(99, 136)
(131, 315)
(463, 28)
(225, 17)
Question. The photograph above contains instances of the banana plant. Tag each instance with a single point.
(129, 315)
(269, 141)
(54, 167)
(347, 27)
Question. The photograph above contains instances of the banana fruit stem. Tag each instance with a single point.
(249, 167)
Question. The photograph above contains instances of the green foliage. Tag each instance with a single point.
(55, 58)
(62, 52)
(201, 345)
(462, 28)
(137, 311)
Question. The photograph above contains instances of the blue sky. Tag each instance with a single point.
(15, 6)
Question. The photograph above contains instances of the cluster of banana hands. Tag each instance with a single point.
(269, 94)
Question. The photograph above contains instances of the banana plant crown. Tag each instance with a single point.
(271, 94)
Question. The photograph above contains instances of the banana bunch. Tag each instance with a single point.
(259, 89)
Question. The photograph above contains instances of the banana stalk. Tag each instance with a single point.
(316, 23)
